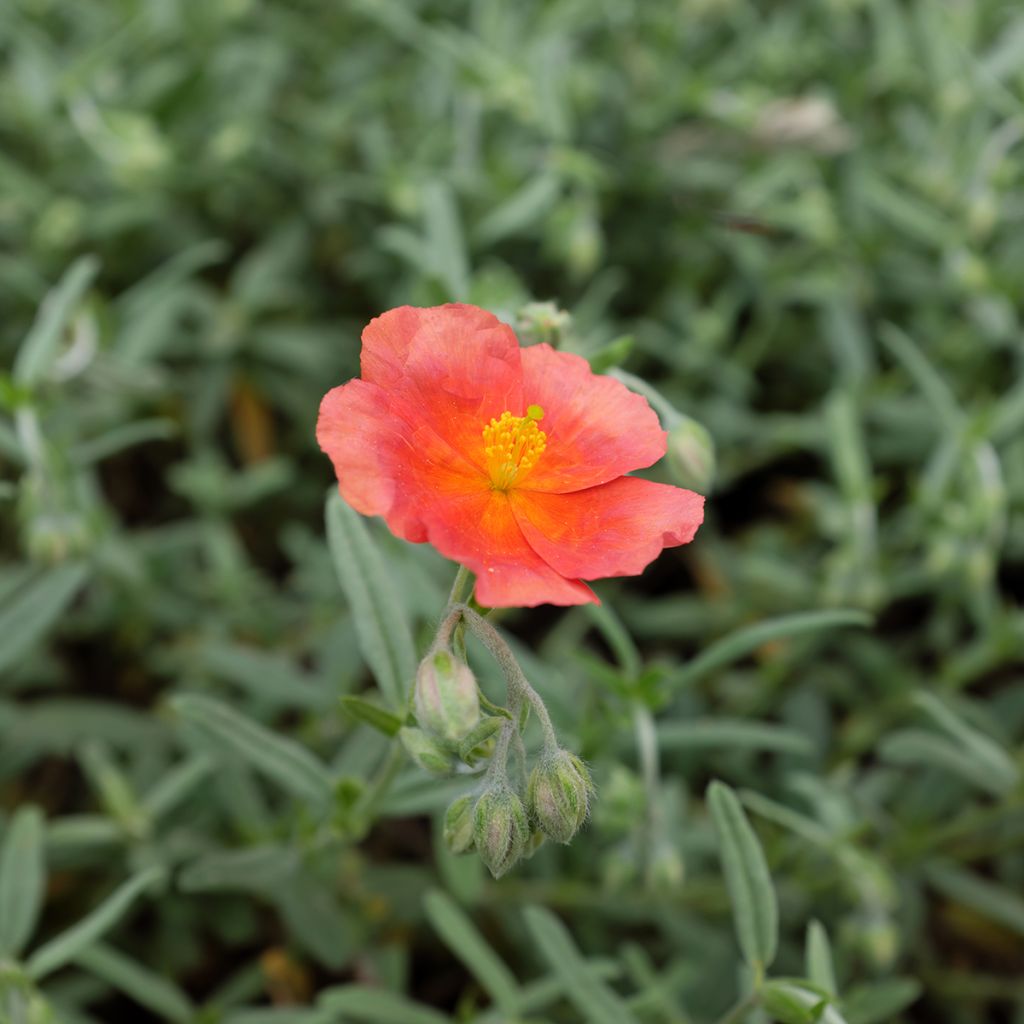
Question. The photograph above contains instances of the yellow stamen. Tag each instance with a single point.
(512, 445)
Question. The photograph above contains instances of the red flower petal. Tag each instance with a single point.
(451, 368)
(616, 529)
(597, 428)
(385, 467)
(479, 530)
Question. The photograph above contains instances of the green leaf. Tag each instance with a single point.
(596, 1001)
(281, 1015)
(996, 902)
(818, 958)
(731, 734)
(125, 436)
(22, 879)
(42, 343)
(481, 733)
(381, 624)
(280, 760)
(69, 944)
(982, 749)
(317, 920)
(28, 613)
(260, 869)
(919, 747)
(464, 939)
(520, 210)
(743, 641)
(176, 785)
(372, 714)
(147, 988)
(878, 1002)
(786, 1003)
(445, 246)
(751, 893)
(378, 1006)
(798, 1001)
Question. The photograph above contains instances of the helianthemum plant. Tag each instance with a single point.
(512, 462)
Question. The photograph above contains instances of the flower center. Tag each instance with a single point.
(513, 444)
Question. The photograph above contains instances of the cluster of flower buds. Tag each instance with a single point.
(503, 821)
(503, 828)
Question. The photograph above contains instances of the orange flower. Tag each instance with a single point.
(509, 461)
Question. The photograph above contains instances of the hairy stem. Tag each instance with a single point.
(519, 688)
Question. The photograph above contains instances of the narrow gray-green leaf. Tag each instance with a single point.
(818, 958)
(42, 342)
(22, 879)
(919, 747)
(464, 939)
(366, 711)
(594, 1000)
(755, 911)
(282, 1015)
(378, 1006)
(983, 749)
(176, 785)
(381, 624)
(260, 869)
(68, 944)
(446, 247)
(740, 643)
(997, 902)
(878, 1002)
(144, 986)
(280, 760)
(27, 614)
(731, 734)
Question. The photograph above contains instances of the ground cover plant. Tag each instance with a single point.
(793, 228)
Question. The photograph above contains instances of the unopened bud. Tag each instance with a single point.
(666, 870)
(426, 752)
(500, 829)
(559, 795)
(458, 825)
(446, 697)
(543, 322)
(691, 455)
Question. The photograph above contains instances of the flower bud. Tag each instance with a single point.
(500, 829)
(666, 869)
(458, 825)
(427, 753)
(559, 795)
(446, 698)
(543, 321)
(691, 455)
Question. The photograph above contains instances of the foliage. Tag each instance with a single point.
(796, 224)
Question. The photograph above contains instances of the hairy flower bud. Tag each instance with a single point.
(691, 455)
(446, 698)
(458, 825)
(543, 321)
(559, 795)
(427, 753)
(500, 829)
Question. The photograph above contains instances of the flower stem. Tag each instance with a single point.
(459, 586)
(519, 688)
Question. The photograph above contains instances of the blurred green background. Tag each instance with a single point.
(801, 223)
